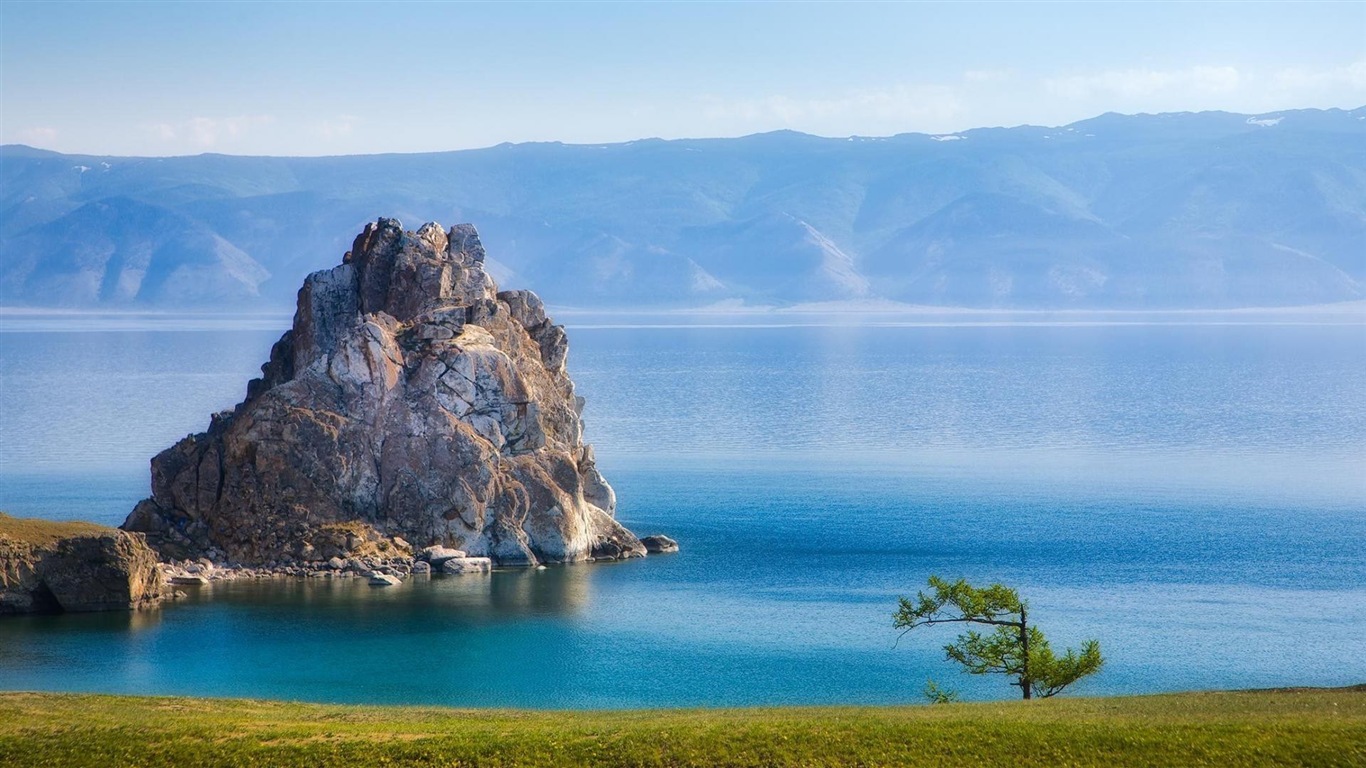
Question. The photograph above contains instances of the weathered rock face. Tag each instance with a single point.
(52, 567)
(410, 401)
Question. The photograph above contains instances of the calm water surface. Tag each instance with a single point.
(1192, 496)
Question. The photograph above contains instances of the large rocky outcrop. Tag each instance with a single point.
(48, 567)
(412, 404)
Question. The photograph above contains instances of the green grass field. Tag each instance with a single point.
(1287, 727)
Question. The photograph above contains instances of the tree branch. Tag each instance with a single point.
(969, 619)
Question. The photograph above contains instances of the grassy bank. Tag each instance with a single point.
(1291, 727)
(45, 532)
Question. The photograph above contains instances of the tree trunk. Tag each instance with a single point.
(1024, 653)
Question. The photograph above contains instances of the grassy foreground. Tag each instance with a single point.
(1289, 727)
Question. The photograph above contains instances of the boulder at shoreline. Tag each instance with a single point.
(659, 543)
(50, 567)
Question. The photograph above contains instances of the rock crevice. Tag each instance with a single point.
(411, 396)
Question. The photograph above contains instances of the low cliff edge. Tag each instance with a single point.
(49, 567)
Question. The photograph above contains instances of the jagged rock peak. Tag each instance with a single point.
(410, 398)
(403, 273)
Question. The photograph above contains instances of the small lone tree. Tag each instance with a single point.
(1014, 648)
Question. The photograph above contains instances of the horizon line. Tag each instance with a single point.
(776, 131)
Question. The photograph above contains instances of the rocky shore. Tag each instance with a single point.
(50, 567)
(433, 560)
(414, 420)
(413, 408)
(59, 567)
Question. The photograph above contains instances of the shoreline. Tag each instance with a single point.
(15, 319)
(1354, 689)
(381, 571)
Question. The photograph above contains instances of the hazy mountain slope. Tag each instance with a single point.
(1181, 210)
(777, 257)
(119, 251)
(991, 249)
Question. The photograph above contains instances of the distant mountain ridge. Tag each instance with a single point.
(1188, 210)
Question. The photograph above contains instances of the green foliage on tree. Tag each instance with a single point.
(1012, 647)
(937, 695)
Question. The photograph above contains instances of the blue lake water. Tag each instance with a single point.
(1192, 495)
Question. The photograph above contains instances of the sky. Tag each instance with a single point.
(275, 78)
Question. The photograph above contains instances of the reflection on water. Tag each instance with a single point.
(1209, 482)
(429, 639)
(108, 623)
(552, 591)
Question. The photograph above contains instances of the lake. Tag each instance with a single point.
(1192, 494)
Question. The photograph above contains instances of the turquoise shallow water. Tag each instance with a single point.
(1193, 496)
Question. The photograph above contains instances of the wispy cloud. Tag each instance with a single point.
(917, 102)
(38, 136)
(1351, 77)
(1131, 83)
(207, 132)
(1212, 87)
(890, 109)
(338, 127)
(981, 97)
(989, 75)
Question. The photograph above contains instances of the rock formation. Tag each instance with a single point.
(411, 405)
(658, 543)
(48, 567)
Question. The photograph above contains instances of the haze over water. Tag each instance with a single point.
(1194, 496)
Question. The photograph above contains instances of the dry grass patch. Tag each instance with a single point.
(42, 532)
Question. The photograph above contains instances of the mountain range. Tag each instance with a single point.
(1185, 210)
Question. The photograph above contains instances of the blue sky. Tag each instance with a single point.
(276, 78)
